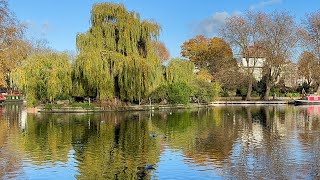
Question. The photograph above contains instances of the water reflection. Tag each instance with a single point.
(277, 142)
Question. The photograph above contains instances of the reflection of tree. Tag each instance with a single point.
(205, 136)
(310, 141)
(119, 150)
(270, 149)
(245, 142)
(10, 159)
(47, 138)
(242, 142)
(3, 132)
(259, 152)
(106, 146)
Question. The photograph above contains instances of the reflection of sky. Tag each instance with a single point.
(288, 151)
(173, 165)
(56, 170)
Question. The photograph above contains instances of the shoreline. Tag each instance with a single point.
(69, 109)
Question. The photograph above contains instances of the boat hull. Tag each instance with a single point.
(306, 102)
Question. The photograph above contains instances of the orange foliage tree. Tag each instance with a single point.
(212, 54)
(162, 51)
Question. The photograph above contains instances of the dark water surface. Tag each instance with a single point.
(251, 142)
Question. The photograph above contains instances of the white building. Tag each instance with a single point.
(256, 63)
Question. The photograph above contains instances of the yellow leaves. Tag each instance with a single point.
(180, 70)
(116, 56)
(204, 75)
(46, 75)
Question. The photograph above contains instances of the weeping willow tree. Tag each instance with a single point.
(44, 76)
(116, 56)
(180, 71)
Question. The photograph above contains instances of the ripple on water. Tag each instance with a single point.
(198, 145)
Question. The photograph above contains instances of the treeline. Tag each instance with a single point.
(120, 58)
(273, 36)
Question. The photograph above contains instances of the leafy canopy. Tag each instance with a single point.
(44, 76)
(13, 48)
(211, 54)
(116, 55)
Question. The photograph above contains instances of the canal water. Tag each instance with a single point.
(242, 142)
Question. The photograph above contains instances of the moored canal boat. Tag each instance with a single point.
(308, 100)
(13, 98)
(2, 99)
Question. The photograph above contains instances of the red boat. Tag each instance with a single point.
(308, 100)
(2, 98)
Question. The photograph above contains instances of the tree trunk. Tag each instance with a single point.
(318, 90)
(267, 117)
(266, 94)
(249, 90)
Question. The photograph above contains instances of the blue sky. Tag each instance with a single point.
(59, 21)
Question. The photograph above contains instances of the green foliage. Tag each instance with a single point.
(205, 91)
(160, 93)
(184, 84)
(44, 76)
(296, 94)
(242, 91)
(50, 106)
(179, 93)
(215, 89)
(180, 71)
(307, 88)
(116, 55)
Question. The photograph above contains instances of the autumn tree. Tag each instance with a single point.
(310, 34)
(230, 79)
(241, 31)
(212, 54)
(308, 67)
(13, 48)
(195, 50)
(162, 51)
(116, 56)
(278, 34)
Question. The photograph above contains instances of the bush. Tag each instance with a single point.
(160, 94)
(31, 100)
(201, 91)
(292, 94)
(179, 93)
(242, 91)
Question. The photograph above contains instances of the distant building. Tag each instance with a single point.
(256, 63)
(289, 72)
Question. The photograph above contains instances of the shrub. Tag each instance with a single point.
(292, 94)
(204, 91)
(160, 93)
(179, 93)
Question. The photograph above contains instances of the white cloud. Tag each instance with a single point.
(263, 4)
(211, 25)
